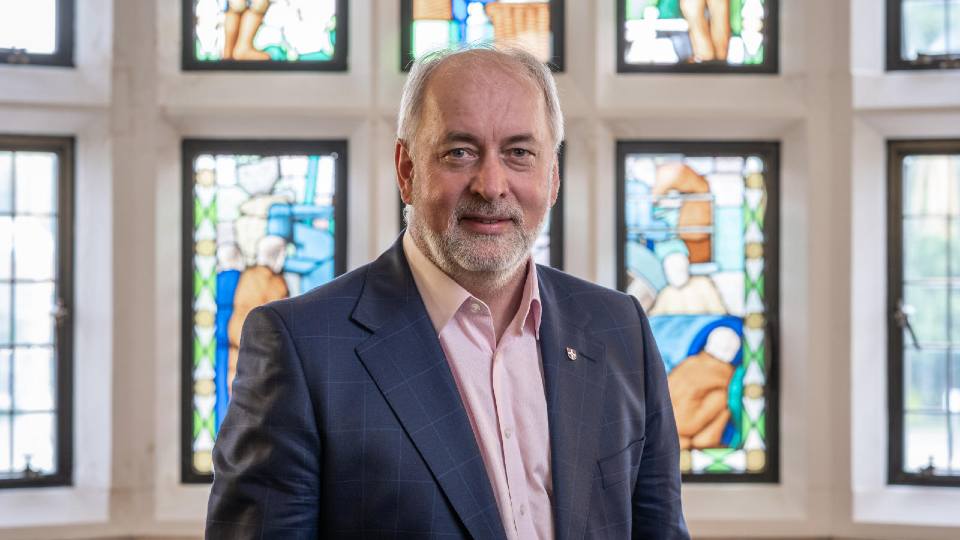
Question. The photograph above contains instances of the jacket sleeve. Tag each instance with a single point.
(657, 510)
(266, 460)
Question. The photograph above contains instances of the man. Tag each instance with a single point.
(452, 388)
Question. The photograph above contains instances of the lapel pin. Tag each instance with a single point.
(571, 353)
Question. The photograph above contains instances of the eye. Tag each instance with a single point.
(520, 152)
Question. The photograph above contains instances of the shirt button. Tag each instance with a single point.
(507, 433)
(474, 307)
(523, 509)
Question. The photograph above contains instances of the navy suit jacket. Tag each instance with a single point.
(345, 420)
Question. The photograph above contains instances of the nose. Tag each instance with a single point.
(490, 179)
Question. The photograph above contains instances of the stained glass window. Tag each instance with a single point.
(923, 34)
(265, 34)
(35, 296)
(262, 221)
(429, 25)
(698, 249)
(38, 32)
(707, 36)
(924, 302)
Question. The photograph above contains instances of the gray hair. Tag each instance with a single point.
(414, 90)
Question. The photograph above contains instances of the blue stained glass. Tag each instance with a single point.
(694, 259)
(263, 230)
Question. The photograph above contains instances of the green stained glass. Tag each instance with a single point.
(442, 24)
(707, 32)
(695, 256)
(263, 230)
(264, 31)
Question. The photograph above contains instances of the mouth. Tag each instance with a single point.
(486, 224)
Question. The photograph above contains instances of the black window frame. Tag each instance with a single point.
(557, 28)
(189, 62)
(63, 147)
(897, 150)
(771, 43)
(770, 151)
(63, 56)
(894, 42)
(190, 149)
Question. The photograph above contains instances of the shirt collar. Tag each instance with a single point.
(443, 296)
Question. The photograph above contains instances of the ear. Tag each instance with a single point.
(404, 164)
(555, 182)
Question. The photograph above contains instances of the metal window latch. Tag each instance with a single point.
(60, 312)
(902, 318)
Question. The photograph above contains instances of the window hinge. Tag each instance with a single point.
(60, 312)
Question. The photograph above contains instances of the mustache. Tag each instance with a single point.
(484, 208)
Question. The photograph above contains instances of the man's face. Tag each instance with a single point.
(483, 172)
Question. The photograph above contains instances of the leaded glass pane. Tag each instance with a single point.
(6, 449)
(6, 248)
(29, 25)
(6, 182)
(696, 256)
(260, 32)
(34, 443)
(930, 30)
(36, 183)
(264, 228)
(34, 247)
(925, 380)
(6, 314)
(442, 24)
(732, 33)
(930, 293)
(33, 313)
(6, 388)
(34, 384)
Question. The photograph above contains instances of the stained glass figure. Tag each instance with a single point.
(265, 222)
(697, 251)
(265, 34)
(925, 306)
(34, 347)
(430, 25)
(36, 32)
(698, 35)
(924, 34)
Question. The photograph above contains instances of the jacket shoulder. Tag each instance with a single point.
(330, 303)
(576, 293)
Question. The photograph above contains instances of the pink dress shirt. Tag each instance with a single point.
(501, 385)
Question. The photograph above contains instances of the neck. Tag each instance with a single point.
(500, 291)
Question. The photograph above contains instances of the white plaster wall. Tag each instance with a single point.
(831, 108)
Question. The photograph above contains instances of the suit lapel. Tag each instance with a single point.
(405, 360)
(574, 384)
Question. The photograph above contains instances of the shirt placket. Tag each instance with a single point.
(503, 392)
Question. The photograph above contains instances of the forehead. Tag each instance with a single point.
(479, 94)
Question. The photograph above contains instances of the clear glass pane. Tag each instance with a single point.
(36, 182)
(955, 456)
(927, 184)
(5, 454)
(6, 247)
(924, 28)
(34, 247)
(34, 438)
(6, 399)
(34, 379)
(6, 181)
(925, 441)
(955, 246)
(953, 37)
(924, 380)
(6, 316)
(929, 319)
(955, 316)
(33, 307)
(953, 397)
(925, 247)
(30, 25)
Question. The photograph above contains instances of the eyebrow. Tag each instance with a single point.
(462, 136)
